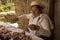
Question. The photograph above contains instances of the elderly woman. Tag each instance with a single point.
(39, 23)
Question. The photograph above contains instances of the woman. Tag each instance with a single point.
(39, 23)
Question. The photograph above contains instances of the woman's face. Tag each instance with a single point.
(35, 10)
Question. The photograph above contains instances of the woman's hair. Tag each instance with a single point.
(40, 7)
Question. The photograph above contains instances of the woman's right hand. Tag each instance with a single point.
(34, 27)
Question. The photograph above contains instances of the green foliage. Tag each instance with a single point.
(7, 7)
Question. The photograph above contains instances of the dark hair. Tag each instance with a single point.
(40, 7)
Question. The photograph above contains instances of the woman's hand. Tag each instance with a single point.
(34, 27)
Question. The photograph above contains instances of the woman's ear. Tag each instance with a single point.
(41, 10)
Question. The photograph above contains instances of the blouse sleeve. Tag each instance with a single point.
(44, 27)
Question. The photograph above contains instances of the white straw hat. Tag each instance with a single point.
(37, 3)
